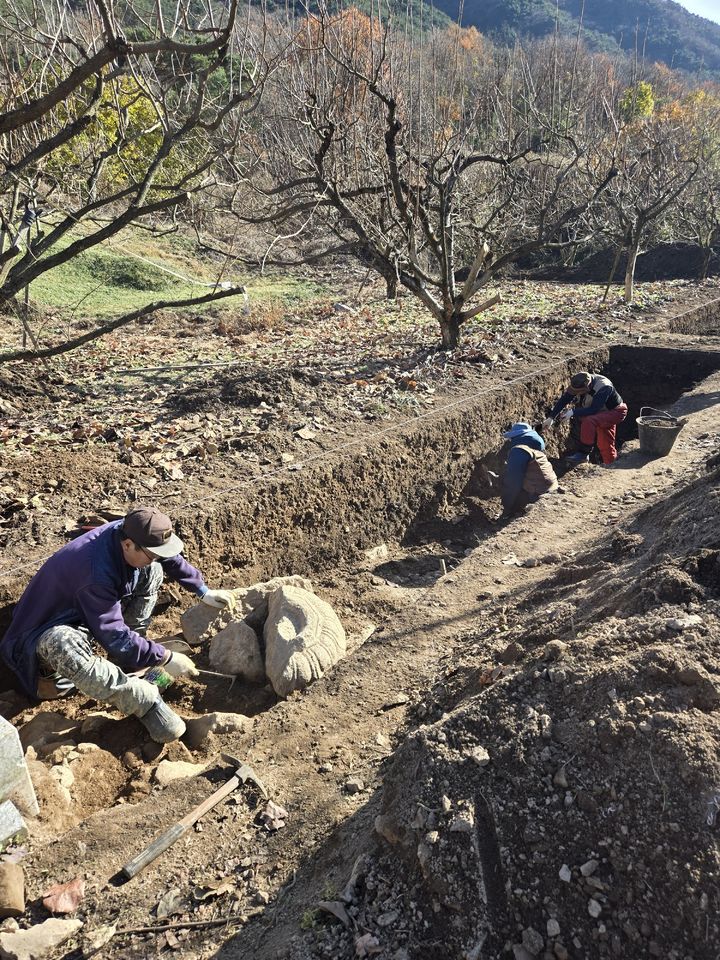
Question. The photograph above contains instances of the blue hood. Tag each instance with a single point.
(529, 438)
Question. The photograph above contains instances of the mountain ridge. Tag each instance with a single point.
(660, 30)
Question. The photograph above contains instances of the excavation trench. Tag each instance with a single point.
(420, 482)
(412, 489)
(426, 486)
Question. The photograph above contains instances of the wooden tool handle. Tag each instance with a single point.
(202, 808)
(153, 851)
(167, 839)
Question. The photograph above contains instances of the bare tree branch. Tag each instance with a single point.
(118, 322)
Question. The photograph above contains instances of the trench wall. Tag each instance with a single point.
(702, 319)
(384, 488)
(379, 490)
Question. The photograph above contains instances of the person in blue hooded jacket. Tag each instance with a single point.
(102, 588)
(528, 473)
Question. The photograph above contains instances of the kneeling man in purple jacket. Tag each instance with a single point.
(102, 588)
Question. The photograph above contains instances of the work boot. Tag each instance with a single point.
(577, 457)
(162, 724)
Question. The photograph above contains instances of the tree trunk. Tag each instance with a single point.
(616, 261)
(705, 265)
(630, 272)
(450, 332)
(391, 286)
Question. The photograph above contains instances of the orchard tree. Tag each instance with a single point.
(430, 157)
(114, 114)
(698, 213)
(656, 154)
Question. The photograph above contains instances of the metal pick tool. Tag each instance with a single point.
(232, 677)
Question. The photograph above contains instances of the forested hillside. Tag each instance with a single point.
(666, 31)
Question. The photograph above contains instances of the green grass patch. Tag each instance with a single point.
(124, 272)
(102, 282)
(106, 282)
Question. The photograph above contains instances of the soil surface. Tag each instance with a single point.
(85, 432)
(525, 729)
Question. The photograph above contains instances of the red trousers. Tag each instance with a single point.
(601, 428)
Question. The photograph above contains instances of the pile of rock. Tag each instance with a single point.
(279, 631)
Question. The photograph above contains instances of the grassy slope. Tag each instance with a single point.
(112, 279)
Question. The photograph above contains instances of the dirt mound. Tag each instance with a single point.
(668, 555)
(666, 261)
(252, 388)
(567, 804)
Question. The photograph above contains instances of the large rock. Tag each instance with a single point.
(199, 728)
(47, 727)
(236, 649)
(15, 781)
(169, 770)
(38, 941)
(12, 890)
(197, 619)
(303, 639)
(253, 596)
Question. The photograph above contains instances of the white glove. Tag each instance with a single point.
(547, 423)
(179, 665)
(567, 413)
(220, 599)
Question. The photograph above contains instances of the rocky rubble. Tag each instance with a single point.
(569, 808)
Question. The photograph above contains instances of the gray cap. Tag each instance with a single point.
(580, 382)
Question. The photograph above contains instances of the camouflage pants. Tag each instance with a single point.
(68, 660)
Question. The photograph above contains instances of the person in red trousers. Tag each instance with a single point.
(597, 409)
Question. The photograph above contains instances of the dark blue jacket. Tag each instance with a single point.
(517, 461)
(604, 397)
(83, 584)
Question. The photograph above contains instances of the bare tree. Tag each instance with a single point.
(697, 217)
(430, 157)
(115, 113)
(656, 156)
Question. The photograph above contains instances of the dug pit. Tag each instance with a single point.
(389, 489)
(409, 491)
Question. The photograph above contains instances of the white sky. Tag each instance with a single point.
(705, 8)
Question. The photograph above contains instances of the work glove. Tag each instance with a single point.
(179, 665)
(567, 413)
(547, 423)
(220, 599)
